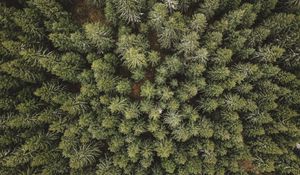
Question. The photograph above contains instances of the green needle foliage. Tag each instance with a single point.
(149, 87)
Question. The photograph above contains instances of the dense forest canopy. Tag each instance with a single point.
(138, 87)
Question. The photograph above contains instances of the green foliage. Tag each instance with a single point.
(198, 23)
(84, 156)
(133, 58)
(117, 105)
(164, 148)
(189, 44)
(158, 15)
(130, 10)
(209, 7)
(75, 42)
(172, 30)
(124, 87)
(269, 54)
(112, 87)
(99, 35)
(67, 67)
(110, 14)
(148, 90)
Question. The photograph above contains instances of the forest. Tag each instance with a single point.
(149, 87)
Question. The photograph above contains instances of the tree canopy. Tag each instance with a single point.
(158, 87)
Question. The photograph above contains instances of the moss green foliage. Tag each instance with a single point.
(154, 87)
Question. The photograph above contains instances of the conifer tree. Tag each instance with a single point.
(99, 35)
(130, 10)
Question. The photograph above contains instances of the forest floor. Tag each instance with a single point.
(82, 12)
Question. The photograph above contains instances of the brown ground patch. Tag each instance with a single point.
(136, 87)
(154, 45)
(153, 41)
(247, 165)
(82, 12)
(150, 75)
(136, 90)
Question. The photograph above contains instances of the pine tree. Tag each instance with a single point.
(130, 10)
(67, 67)
(158, 15)
(84, 156)
(198, 23)
(99, 35)
(110, 14)
(208, 8)
(148, 90)
(189, 44)
(172, 30)
(133, 58)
